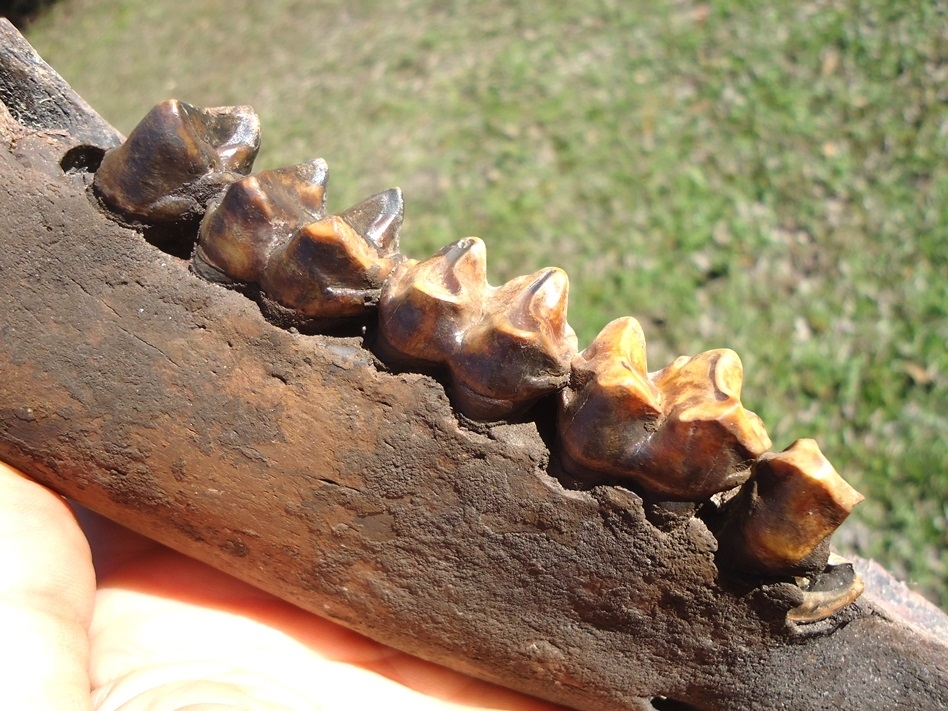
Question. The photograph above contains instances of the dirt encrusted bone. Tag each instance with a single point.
(297, 464)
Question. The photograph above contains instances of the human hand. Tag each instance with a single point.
(159, 631)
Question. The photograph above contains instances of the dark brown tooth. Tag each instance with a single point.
(255, 215)
(781, 521)
(378, 220)
(425, 307)
(325, 271)
(680, 434)
(519, 351)
(176, 159)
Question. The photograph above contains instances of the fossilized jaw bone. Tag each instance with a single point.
(503, 348)
(680, 433)
(177, 158)
(781, 521)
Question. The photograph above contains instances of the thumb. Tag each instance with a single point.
(47, 589)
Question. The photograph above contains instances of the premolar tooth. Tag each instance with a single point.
(325, 271)
(681, 433)
(176, 159)
(519, 351)
(425, 307)
(378, 220)
(781, 521)
(255, 215)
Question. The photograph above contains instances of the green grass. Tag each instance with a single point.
(769, 177)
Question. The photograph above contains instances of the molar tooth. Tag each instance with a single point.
(612, 408)
(256, 214)
(781, 521)
(681, 433)
(378, 220)
(326, 270)
(707, 436)
(176, 159)
(519, 351)
(425, 307)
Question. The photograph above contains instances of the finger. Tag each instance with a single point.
(47, 588)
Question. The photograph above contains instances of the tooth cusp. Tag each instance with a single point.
(254, 216)
(176, 159)
(781, 521)
(425, 307)
(378, 219)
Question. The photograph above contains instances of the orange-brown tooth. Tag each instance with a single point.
(614, 408)
(425, 307)
(176, 159)
(519, 351)
(781, 521)
(324, 271)
(255, 215)
(679, 434)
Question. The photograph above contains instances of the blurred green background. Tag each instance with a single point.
(765, 176)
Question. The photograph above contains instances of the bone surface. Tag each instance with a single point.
(178, 157)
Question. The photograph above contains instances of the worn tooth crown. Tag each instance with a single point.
(256, 214)
(781, 521)
(378, 219)
(680, 433)
(519, 351)
(425, 307)
(325, 270)
(176, 159)
(707, 436)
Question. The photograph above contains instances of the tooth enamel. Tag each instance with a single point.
(680, 433)
(425, 307)
(176, 159)
(378, 220)
(255, 215)
(519, 351)
(325, 270)
(781, 521)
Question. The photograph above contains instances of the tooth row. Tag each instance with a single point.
(504, 347)
(680, 433)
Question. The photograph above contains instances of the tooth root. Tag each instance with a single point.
(614, 407)
(679, 434)
(425, 307)
(176, 159)
(256, 214)
(518, 352)
(782, 520)
(378, 219)
(325, 271)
